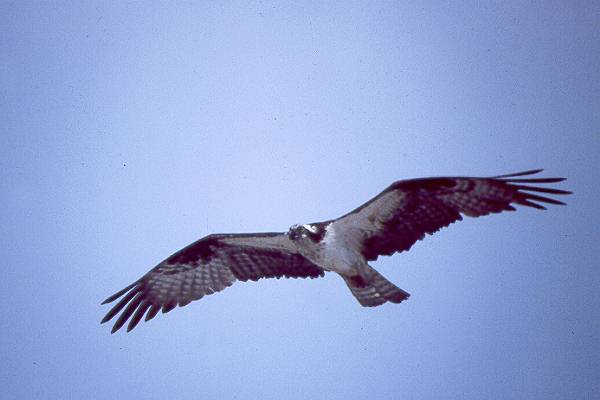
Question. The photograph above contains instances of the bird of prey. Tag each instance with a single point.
(390, 222)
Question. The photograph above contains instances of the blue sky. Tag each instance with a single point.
(132, 129)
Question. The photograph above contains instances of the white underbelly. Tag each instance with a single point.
(335, 253)
(339, 259)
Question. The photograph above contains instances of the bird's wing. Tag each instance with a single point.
(207, 266)
(404, 212)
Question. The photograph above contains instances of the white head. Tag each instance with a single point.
(314, 232)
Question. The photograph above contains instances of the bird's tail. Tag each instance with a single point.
(374, 290)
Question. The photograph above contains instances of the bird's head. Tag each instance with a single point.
(296, 232)
(313, 232)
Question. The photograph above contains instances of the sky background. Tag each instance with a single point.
(129, 130)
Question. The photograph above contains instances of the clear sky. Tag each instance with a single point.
(129, 130)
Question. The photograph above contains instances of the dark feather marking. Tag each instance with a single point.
(169, 306)
(152, 312)
(533, 180)
(255, 266)
(208, 290)
(356, 281)
(543, 199)
(127, 312)
(198, 296)
(420, 214)
(528, 203)
(541, 189)
(139, 313)
(204, 249)
(113, 311)
(185, 302)
(530, 172)
(118, 294)
(427, 184)
(320, 231)
(199, 250)
(496, 206)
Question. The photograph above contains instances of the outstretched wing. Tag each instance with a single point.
(207, 266)
(404, 212)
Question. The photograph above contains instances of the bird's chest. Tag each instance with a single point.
(336, 253)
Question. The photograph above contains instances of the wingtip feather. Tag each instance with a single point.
(120, 293)
(535, 197)
(169, 306)
(532, 204)
(542, 189)
(535, 180)
(137, 316)
(522, 173)
(152, 312)
(117, 307)
(131, 307)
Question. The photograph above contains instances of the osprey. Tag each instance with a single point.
(390, 222)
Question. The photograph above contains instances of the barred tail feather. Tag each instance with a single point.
(376, 291)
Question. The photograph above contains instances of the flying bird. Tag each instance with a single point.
(390, 222)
